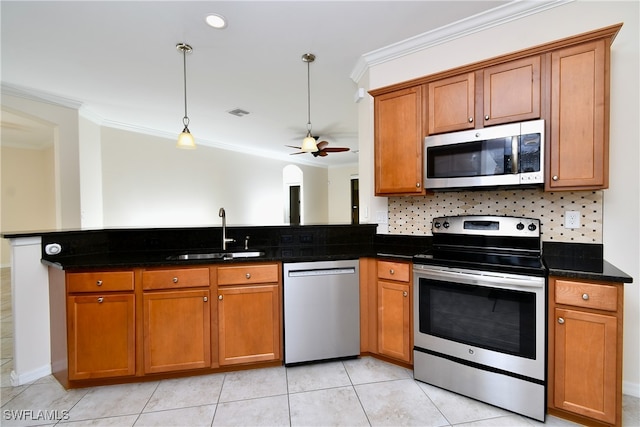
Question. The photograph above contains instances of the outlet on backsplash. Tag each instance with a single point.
(414, 214)
(572, 219)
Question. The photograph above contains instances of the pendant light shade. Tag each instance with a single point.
(309, 142)
(185, 139)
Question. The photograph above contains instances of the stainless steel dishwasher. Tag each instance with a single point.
(321, 310)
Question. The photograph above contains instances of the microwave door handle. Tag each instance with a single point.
(514, 154)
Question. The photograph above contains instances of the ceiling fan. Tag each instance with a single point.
(323, 150)
(310, 143)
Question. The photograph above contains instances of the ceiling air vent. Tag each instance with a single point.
(238, 112)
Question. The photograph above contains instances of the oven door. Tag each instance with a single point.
(491, 319)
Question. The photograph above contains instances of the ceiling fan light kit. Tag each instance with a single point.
(185, 139)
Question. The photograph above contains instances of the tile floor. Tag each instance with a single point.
(356, 392)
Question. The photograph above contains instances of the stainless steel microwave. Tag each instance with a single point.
(504, 155)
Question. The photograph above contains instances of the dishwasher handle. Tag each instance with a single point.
(322, 272)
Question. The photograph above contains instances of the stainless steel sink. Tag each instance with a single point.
(218, 255)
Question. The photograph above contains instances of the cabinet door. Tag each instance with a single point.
(250, 323)
(585, 364)
(451, 104)
(398, 142)
(579, 134)
(177, 330)
(394, 323)
(512, 92)
(101, 336)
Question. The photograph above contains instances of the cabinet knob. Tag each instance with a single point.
(220, 297)
(205, 299)
(470, 119)
(585, 297)
(486, 117)
(417, 185)
(99, 283)
(560, 320)
(248, 275)
(404, 293)
(392, 271)
(175, 280)
(100, 299)
(555, 177)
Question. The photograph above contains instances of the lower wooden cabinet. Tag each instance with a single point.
(101, 335)
(249, 313)
(585, 350)
(177, 330)
(395, 338)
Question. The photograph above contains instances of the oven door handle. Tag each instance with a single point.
(483, 278)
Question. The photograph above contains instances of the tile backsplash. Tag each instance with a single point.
(413, 215)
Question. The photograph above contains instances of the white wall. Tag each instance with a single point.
(621, 234)
(147, 181)
(340, 193)
(91, 173)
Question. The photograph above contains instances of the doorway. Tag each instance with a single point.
(294, 205)
(355, 201)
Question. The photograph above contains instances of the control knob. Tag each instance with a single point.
(446, 224)
(436, 224)
(532, 227)
(520, 226)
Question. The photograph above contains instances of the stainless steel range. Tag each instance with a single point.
(479, 311)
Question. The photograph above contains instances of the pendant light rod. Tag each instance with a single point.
(185, 140)
(309, 142)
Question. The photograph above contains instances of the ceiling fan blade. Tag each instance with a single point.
(335, 149)
(301, 152)
(322, 153)
(292, 146)
(322, 144)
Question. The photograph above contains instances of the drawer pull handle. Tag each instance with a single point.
(175, 280)
(585, 297)
(555, 177)
(560, 320)
(392, 271)
(100, 300)
(248, 275)
(470, 119)
(205, 299)
(404, 293)
(99, 283)
(220, 297)
(486, 117)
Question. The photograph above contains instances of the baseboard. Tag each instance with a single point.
(28, 377)
(631, 389)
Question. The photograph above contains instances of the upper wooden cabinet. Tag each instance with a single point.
(398, 142)
(452, 104)
(511, 92)
(578, 141)
(565, 82)
(504, 93)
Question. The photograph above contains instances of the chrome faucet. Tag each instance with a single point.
(222, 214)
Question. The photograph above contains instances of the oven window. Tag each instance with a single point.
(495, 319)
(478, 158)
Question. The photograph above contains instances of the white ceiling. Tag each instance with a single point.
(118, 61)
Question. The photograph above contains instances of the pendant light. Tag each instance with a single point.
(309, 142)
(185, 139)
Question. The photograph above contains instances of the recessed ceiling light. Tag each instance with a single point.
(216, 21)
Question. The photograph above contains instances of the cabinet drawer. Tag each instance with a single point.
(241, 274)
(589, 295)
(175, 278)
(399, 271)
(101, 281)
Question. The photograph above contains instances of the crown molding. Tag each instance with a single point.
(511, 11)
(39, 96)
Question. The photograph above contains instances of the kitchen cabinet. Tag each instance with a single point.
(585, 350)
(504, 93)
(100, 325)
(578, 141)
(452, 103)
(249, 313)
(394, 287)
(398, 142)
(176, 326)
